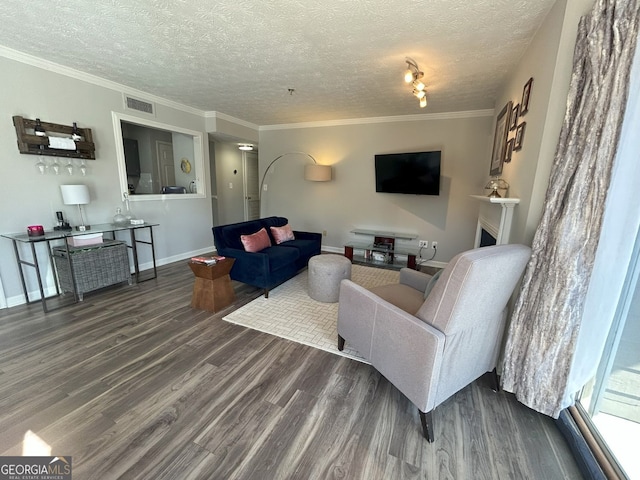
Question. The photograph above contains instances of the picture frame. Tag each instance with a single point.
(517, 145)
(509, 150)
(515, 113)
(526, 96)
(500, 139)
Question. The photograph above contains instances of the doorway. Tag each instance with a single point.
(251, 187)
(166, 169)
(234, 183)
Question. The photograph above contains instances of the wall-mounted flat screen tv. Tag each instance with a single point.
(415, 173)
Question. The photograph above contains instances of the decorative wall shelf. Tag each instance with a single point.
(34, 145)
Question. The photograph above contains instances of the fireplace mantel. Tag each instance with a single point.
(507, 202)
(495, 221)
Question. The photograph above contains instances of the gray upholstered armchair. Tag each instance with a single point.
(432, 347)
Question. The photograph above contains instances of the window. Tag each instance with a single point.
(156, 160)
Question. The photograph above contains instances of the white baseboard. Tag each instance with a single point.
(177, 258)
(50, 290)
(327, 248)
(33, 295)
(431, 263)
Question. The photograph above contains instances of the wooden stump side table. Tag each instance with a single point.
(212, 289)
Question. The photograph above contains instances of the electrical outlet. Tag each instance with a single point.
(324, 233)
(423, 243)
(434, 245)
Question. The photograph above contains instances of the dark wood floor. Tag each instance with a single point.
(133, 383)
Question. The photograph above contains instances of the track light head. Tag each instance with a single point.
(413, 75)
(408, 76)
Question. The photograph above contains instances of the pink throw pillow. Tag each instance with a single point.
(282, 234)
(256, 241)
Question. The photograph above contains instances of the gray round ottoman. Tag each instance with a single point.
(325, 273)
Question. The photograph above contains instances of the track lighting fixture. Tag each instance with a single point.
(408, 75)
(413, 75)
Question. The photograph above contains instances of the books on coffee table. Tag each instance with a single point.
(207, 260)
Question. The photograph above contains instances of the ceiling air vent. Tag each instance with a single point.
(138, 105)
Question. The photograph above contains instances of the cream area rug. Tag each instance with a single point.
(290, 313)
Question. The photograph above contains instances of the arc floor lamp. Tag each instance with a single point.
(313, 172)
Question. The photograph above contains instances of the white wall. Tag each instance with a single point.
(350, 200)
(29, 198)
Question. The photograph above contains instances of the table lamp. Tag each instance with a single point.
(494, 185)
(76, 195)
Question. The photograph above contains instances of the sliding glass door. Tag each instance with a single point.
(612, 398)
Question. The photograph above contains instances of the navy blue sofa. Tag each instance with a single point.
(271, 266)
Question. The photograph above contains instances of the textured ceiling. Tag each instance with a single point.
(344, 58)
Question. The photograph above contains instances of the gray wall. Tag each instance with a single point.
(183, 148)
(549, 61)
(29, 198)
(350, 200)
(347, 202)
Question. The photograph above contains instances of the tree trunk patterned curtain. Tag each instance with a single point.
(544, 327)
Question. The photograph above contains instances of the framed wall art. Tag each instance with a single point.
(526, 96)
(517, 145)
(515, 112)
(509, 150)
(500, 139)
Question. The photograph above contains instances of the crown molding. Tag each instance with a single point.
(229, 118)
(102, 82)
(93, 79)
(397, 118)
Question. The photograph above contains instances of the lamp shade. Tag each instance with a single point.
(75, 194)
(317, 173)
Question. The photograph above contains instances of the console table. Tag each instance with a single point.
(60, 237)
(380, 248)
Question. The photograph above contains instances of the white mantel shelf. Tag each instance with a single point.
(503, 201)
(497, 223)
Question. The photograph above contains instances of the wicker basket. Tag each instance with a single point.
(94, 266)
